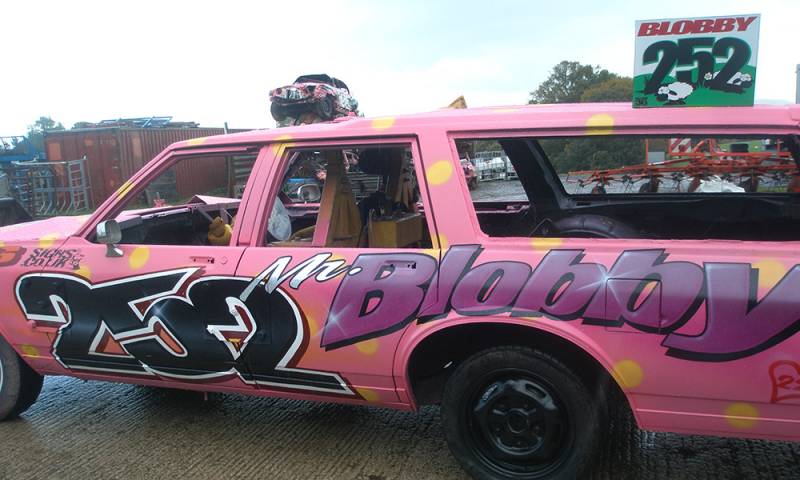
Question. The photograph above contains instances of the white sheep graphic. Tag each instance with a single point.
(736, 83)
(675, 93)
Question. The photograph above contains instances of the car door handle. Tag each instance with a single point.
(400, 265)
(207, 260)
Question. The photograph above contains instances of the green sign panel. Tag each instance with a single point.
(696, 61)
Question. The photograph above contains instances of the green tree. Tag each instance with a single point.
(595, 153)
(572, 82)
(568, 81)
(39, 129)
(617, 89)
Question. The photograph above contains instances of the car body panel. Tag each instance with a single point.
(690, 361)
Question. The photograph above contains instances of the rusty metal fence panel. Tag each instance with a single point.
(114, 154)
(46, 189)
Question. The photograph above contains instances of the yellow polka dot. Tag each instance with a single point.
(30, 351)
(628, 373)
(383, 123)
(770, 272)
(124, 189)
(600, 124)
(336, 257)
(442, 242)
(48, 240)
(741, 415)
(196, 141)
(2, 244)
(368, 347)
(312, 325)
(281, 142)
(439, 172)
(367, 394)
(139, 257)
(544, 243)
(84, 271)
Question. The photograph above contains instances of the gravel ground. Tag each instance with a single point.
(81, 430)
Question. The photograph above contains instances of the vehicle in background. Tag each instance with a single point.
(355, 266)
(324, 96)
(469, 173)
(13, 149)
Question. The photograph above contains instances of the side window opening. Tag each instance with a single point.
(193, 202)
(364, 196)
(669, 187)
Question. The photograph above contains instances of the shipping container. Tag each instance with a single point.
(114, 154)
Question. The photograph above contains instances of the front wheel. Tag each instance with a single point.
(19, 384)
(278, 112)
(513, 412)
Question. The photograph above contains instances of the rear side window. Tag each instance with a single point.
(681, 164)
(670, 187)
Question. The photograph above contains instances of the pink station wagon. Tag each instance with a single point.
(643, 258)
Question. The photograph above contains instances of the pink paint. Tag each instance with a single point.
(701, 339)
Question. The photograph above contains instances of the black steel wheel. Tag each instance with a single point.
(19, 384)
(512, 412)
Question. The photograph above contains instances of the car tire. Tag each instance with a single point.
(514, 412)
(324, 107)
(593, 226)
(278, 112)
(19, 384)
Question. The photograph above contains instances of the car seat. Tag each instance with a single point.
(339, 222)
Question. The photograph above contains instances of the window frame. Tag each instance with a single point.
(137, 184)
(574, 132)
(278, 164)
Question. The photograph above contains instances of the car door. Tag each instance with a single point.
(164, 303)
(680, 271)
(332, 277)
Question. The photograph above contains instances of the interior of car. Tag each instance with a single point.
(194, 202)
(354, 197)
(358, 197)
(195, 223)
(769, 214)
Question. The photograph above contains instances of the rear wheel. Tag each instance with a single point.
(593, 226)
(512, 412)
(19, 384)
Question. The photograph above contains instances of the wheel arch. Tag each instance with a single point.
(427, 356)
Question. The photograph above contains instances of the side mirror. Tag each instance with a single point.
(110, 234)
(309, 192)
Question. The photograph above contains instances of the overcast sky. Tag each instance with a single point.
(212, 62)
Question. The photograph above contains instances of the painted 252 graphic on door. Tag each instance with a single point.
(176, 324)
